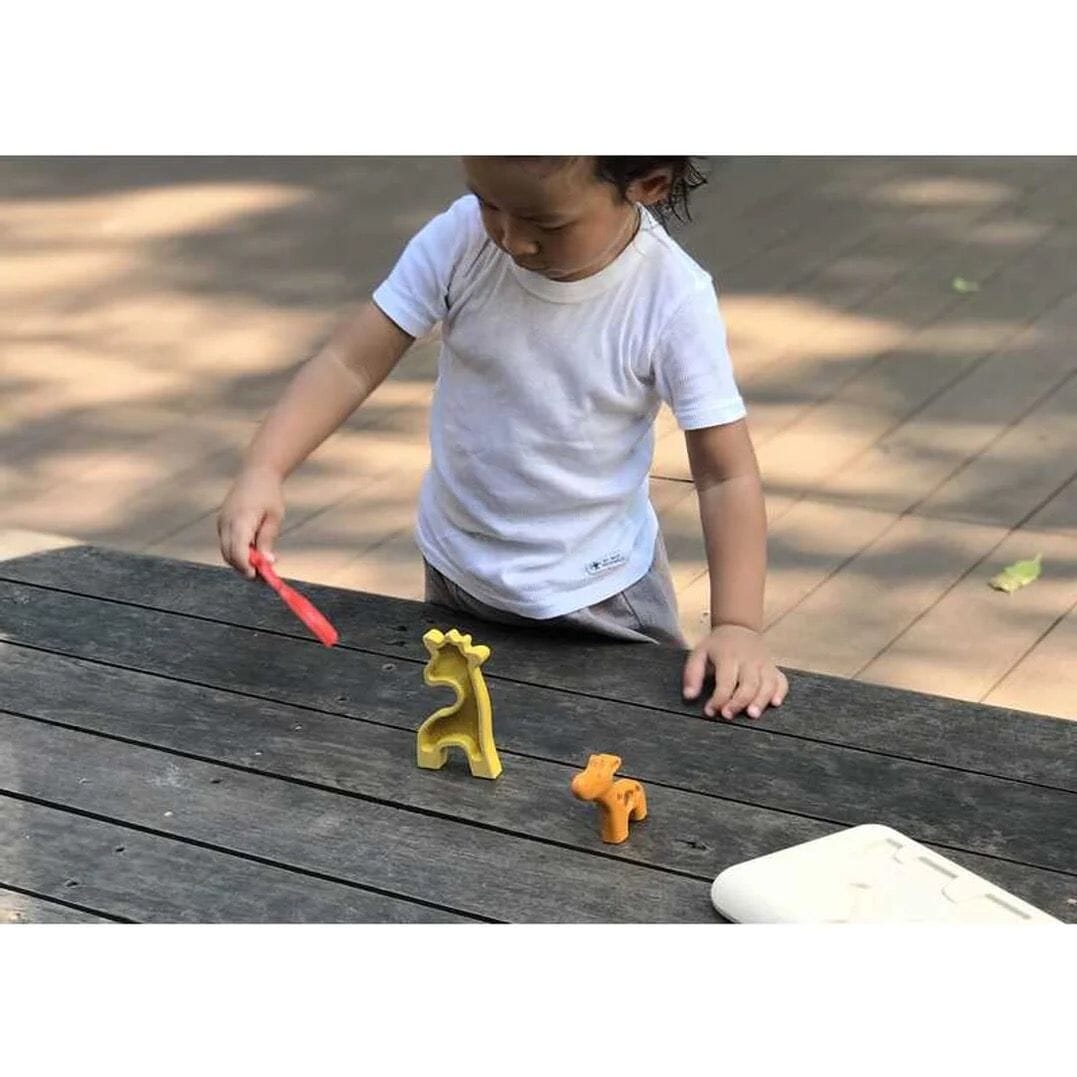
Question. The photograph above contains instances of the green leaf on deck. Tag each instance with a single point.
(965, 286)
(1019, 574)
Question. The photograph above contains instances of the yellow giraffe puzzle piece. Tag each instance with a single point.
(467, 723)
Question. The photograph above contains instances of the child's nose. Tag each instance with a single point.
(516, 242)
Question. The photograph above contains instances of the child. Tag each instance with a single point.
(568, 315)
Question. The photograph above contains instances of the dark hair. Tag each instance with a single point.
(621, 171)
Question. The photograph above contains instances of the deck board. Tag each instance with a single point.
(135, 875)
(919, 725)
(420, 857)
(177, 295)
(219, 765)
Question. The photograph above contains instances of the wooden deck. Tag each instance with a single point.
(914, 439)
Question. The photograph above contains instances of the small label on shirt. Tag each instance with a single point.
(611, 560)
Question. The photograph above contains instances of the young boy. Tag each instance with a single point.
(568, 315)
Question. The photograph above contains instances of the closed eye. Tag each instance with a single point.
(540, 225)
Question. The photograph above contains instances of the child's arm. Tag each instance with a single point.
(734, 520)
(325, 391)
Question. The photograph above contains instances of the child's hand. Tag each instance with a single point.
(251, 515)
(745, 674)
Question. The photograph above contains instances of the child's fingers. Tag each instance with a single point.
(724, 682)
(267, 535)
(222, 540)
(227, 544)
(239, 558)
(239, 541)
(747, 689)
(695, 669)
(781, 691)
(766, 696)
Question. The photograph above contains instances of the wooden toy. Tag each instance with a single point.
(467, 723)
(618, 801)
(302, 607)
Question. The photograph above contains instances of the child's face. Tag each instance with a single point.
(555, 219)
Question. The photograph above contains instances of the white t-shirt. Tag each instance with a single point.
(542, 426)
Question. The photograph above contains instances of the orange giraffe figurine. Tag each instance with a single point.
(618, 801)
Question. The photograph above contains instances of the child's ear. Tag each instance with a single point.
(652, 188)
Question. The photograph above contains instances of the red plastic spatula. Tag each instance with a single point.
(302, 607)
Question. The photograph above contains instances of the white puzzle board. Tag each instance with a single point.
(867, 874)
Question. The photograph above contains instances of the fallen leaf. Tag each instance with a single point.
(1019, 574)
(965, 286)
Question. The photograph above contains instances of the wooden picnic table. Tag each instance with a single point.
(175, 747)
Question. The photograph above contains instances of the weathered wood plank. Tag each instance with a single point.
(843, 624)
(688, 832)
(933, 244)
(980, 813)
(132, 875)
(793, 378)
(975, 634)
(913, 725)
(777, 213)
(809, 544)
(834, 443)
(987, 449)
(1060, 513)
(1027, 464)
(19, 908)
(1047, 674)
(456, 866)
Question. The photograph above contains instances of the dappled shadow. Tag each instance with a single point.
(151, 310)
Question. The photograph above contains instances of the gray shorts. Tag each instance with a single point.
(646, 612)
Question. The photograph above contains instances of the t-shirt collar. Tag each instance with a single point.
(575, 291)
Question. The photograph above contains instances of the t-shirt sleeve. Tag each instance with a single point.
(692, 368)
(415, 294)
